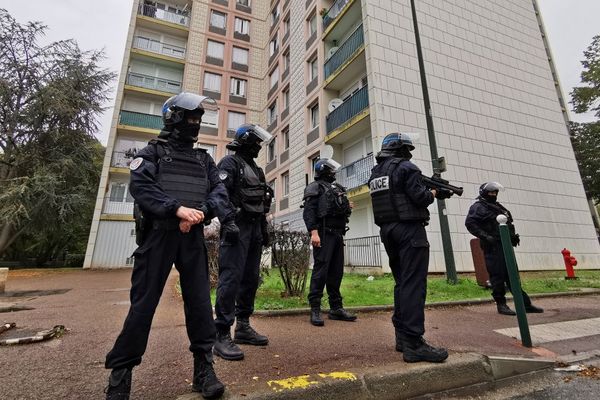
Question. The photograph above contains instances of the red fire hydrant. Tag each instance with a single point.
(570, 262)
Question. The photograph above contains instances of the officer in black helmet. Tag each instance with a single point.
(326, 213)
(481, 222)
(239, 262)
(176, 188)
(400, 202)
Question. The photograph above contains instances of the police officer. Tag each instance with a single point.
(176, 188)
(239, 263)
(326, 212)
(400, 202)
(481, 222)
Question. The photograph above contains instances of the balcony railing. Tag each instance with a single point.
(348, 109)
(333, 12)
(141, 120)
(164, 15)
(356, 174)
(344, 52)
(152, 82)
(118, 207)
(363, 251)
(155, 46)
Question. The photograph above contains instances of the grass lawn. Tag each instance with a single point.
(358, 291)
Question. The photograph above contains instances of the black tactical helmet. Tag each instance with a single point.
(326, 167)
(178, 107)
(249, 136)
(488, 187)
(395, 141)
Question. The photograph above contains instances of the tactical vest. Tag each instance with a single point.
(333, 202)
(183, 176)
(390, 203)
(252, 194)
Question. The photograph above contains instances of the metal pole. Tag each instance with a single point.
(442, 211)
(515, 282)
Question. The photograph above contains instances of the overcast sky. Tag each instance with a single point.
(570, 25)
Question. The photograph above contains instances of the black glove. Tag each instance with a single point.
(489, 239)
(266, 235)
(230, 233)
(443, 193)
(515, 240)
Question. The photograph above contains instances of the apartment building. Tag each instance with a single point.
(344, 74)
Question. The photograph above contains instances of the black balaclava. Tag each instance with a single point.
(249, 150)
(490, 199)
(327, 175)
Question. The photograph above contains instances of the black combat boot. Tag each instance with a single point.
(341, 315)
(225, 348)
(533, 309)
(315, 316)
(205, 380)
(119, 384)
(245, 334)
(505, 310)
(399, 344)
(417, 349)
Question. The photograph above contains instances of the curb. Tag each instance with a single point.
(398, 380)
(389, 307)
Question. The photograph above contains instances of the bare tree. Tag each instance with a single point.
(291, 254)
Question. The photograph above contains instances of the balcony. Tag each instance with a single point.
(153, 83)
(349, 109)
(345, 52)
(155, 46)
(333, 12)
(140, 120)
(163, 15)
(355, 174)
(117, 207)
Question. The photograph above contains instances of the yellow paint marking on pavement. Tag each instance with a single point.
(339, 375)
(297, 382)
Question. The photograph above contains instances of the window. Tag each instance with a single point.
(285, 183)
(313, 162)
(312, 25)
(285, 138)
(314, 116)
(271, 150)
(275, 14)
(272, 113)
(210, 118)
(218, 19)
(272, 184)
(244, 2)
(313, 69)
(215, 49)
(238, 87)
(286, 25)
(210, 148)
(286, 61)
(212, 82)
(235, 120)
(273, 46)
(274, 77)
(117, 192)
(242, 26)
(286, 98)
(240, 55)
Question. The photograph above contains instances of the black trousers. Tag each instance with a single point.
(328, 269)
(408, 251)
(496, 267)
(239, 272)
(153, 263)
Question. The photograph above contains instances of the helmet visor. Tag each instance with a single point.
(492, 187)
(262, 133)
(191, 101)
(331, 163)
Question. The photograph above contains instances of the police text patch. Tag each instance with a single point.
(135, 164)
(378, 184)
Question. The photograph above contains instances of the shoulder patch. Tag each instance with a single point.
(135, 164)
(223, 175)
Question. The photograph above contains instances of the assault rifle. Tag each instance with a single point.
(437, 182)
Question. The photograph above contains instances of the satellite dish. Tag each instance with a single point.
(334, 103)
(326, 151)
(332, 51)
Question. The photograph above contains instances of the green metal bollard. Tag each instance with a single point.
(515, 282)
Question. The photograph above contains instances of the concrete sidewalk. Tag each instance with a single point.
(356, 359)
